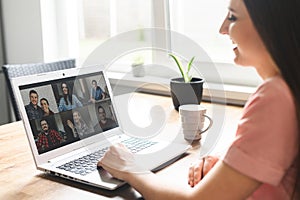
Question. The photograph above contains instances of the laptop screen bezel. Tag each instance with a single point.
(57, 75)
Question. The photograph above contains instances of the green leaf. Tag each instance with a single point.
(179, 66)
(185, 74)
(190, 64)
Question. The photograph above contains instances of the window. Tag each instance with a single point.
(75, 28)
(200, 21)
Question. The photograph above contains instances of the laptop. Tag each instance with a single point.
(71, 119)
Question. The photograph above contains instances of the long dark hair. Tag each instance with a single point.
(278, 24)
(67, 96)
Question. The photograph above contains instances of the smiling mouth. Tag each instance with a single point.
(234, 46)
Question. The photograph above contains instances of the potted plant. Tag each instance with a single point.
(185, 89)
(138, 69)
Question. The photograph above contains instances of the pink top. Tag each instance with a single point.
(266, 144)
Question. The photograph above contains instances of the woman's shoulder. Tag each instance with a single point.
(274, 89)
(61, 99)
(273, 94)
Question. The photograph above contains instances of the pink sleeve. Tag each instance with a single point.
(266, 139)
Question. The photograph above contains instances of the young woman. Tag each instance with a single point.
(79, 127)
(68, 101)
(45, 107)
(262, 161)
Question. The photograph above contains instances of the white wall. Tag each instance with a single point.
(22, 36)
(22, 31)
(4, 105)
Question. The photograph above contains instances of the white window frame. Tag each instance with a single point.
(54, 49)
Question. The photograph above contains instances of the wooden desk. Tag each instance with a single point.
(19, 178)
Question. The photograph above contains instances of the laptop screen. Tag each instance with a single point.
(67, 110)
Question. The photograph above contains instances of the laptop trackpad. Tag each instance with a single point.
(103, 178)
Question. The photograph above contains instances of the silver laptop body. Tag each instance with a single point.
(69, 143)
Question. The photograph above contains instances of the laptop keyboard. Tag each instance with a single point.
(88, 163)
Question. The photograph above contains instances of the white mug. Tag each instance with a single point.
(193, 120)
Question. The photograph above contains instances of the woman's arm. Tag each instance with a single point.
(61, 105)
(200, 168)
(222, 182)
(76, 101)
(72, 127)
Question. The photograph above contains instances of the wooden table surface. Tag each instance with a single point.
(19, 179)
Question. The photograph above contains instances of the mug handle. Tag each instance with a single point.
(209, 126)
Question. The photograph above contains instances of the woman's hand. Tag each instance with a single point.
(200, 168)
(119, 162)
(70, 124)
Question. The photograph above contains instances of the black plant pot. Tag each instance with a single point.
(186, 93)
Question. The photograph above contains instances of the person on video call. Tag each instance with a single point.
(79, 128)
(263, 160)
(68, 101)
(45, 107)
(104, 123)
(96, 92)
(33, 110)
(47, 138)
